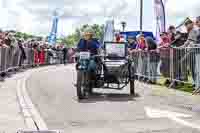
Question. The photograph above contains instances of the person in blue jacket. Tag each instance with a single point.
(132, 45)
(88, 43)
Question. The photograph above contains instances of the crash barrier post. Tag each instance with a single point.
(173, 64)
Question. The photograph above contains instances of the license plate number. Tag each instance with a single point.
(84, 55)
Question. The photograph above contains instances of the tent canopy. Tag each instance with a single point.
(135, 33)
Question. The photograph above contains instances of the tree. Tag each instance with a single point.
(73, 39)
(25, 36)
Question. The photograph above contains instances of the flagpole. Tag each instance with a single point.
(141, 16)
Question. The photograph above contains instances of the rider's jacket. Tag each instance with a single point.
(89, 45)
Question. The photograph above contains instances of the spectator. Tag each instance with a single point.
(164, 48)
(179, 70)
(198, 28)
(23, 54)
(171, 33)
(64, 51)
(36, 54)
(131, 44)
(194, 41)
(153, 60)
(117, 37)
(41, 55)
(141, 44)
(165, 40)
(142, 61)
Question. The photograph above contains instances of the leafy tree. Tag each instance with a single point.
(25, 36)
(73, 39)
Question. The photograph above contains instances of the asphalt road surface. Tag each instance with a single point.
(111, 111)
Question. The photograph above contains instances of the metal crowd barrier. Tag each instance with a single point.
(175, 64)
(12, 58)
(146, 64)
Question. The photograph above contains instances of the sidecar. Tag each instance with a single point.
(111, 70)
(118, 71)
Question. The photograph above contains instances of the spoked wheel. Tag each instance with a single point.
(81, 84)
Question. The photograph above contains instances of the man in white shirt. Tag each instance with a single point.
(193, 42)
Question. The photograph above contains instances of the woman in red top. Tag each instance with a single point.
(165, 40)
(141, 43)
(142, 61)
(164, 49)
(36, 55)
(42, 55)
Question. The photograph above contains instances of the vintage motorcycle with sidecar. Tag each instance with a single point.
(111, 70)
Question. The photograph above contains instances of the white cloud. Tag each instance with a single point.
(35, 15)
(178, 10)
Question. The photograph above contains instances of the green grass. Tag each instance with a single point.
(187, 87)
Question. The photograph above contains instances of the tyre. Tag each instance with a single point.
(132, 79)
(81, 84)
(132, 87)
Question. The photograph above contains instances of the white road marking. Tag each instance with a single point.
(28, 109)
(156, 113)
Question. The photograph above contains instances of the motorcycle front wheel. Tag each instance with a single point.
(81, 84)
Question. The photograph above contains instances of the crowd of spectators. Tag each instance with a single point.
(33, 50)
(168, 55)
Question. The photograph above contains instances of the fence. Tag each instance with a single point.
(174, 64)
(14, 58)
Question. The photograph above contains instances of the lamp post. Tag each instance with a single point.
(123, 23)
(141, 16)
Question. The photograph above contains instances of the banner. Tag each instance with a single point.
(159, 6)
(53, 35)
(109, 31)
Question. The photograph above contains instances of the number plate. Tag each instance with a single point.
(84, 55)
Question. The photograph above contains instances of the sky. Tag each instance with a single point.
(35, 16)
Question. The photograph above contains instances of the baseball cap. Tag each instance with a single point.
(188, 21)
(171, 27)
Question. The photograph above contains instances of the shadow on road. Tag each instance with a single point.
(113, 97)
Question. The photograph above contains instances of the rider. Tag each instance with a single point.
(92, 45)
(88, 43)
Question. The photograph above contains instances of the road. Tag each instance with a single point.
(110, 111)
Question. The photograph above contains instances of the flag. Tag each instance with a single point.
(53, 34)
(109, 31)
(159, 6)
